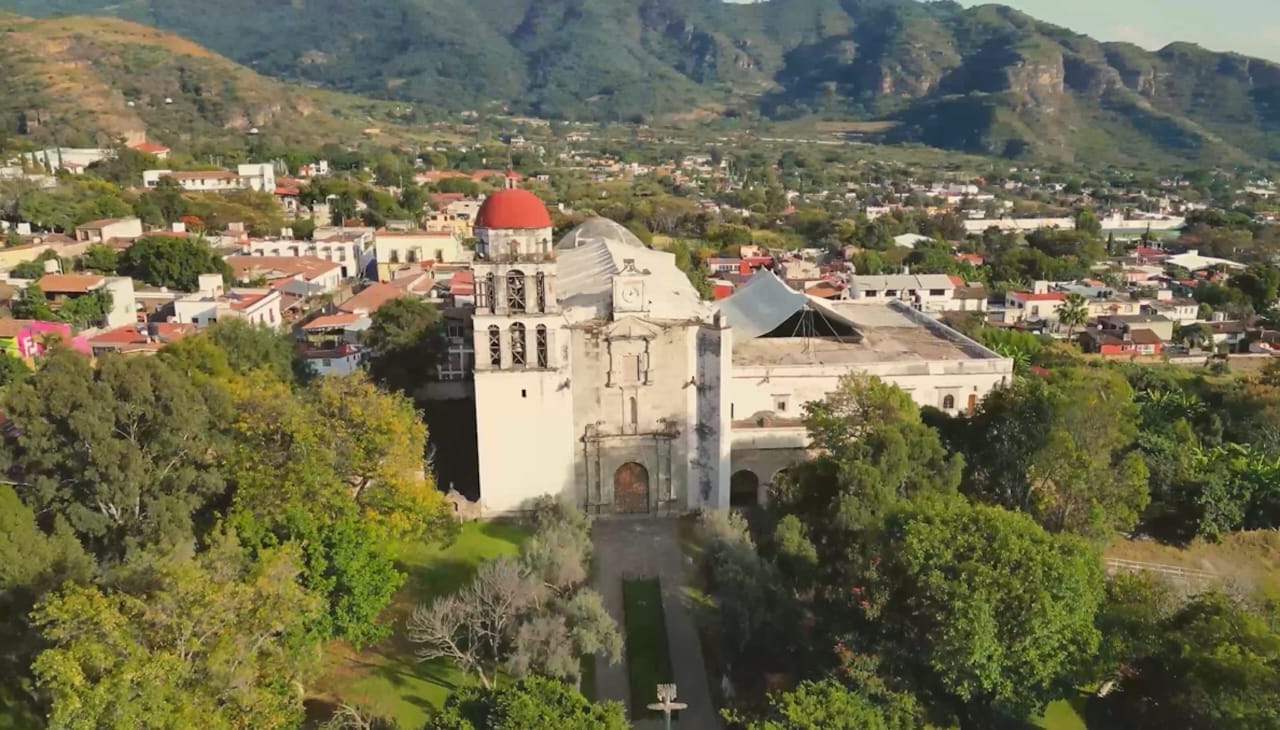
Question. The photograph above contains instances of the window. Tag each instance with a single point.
(937, 292)
(541, 337)
(891, 292)
(973, 402)
(515, 291)
(631, 369)
(541, 284)
(455, 330)
(634, 412)
(326, 362)
(489, 293)
(495, 346)
(411, 256)
(395, 256)
(780, 403)
(1035, 311)
(949, 403)
(517, 344)
(440, 255)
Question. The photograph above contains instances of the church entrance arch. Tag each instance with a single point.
(631, 489)
(744, 489)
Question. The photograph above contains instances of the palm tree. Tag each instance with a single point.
(1074, 313)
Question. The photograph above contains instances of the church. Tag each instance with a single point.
(601, 376)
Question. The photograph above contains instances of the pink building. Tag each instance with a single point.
(28, 338)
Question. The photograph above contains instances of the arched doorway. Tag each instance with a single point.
(631, 489)
(744, 489)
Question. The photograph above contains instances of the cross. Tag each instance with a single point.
(666, 703)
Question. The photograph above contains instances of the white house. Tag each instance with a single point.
(259, 177)
(213, 303)
(395, 251)
(927, 292)
(1034, 305)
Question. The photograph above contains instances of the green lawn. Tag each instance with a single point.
(387, 679)
(646, 632)
(1064, 715)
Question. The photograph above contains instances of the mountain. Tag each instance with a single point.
(83, 81)
(985, 79)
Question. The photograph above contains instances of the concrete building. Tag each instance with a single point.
(396, 251)
(213, 303)
(58, 288)
(926, 293)
(352, 251)
(303, 276)
(597, 362)
(259, 177)
(106, 229)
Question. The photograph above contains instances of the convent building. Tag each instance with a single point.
(603, 378)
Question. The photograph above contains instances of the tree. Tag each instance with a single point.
(100, 258)
(378, 440)
(174, 262)
(1074, 313)
(406, 342)
(531, 703)
(164, 204)
(180, 643)
(123, 452)
(33, 269)
(828, 705)
(1060, 450)
(251, 348)
(1211, 664)
(12, 369)
(525, 616)
(980, 606)
(1087, 222)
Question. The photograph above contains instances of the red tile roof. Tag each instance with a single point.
(69, 283)
(371, 298)
(1027, 296)
(150, 148)
(332, 321)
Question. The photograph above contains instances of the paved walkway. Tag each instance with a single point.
(647, 548)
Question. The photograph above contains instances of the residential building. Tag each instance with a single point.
(1124, 324)
(109, 228)
(259, 177)
(213, 303)
(28, 338)
(1025, 305)
(351, 251)
(332, 343)
(139, 339)
(1180, 311)
(925, 293)
(58, 288)
(303, 276)
(396, 251)
(1122, 343)
(369, 299)
(71, 159)
(159, 151)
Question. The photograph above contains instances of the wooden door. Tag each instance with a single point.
(631, 489)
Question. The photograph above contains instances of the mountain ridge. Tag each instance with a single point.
(987, 79)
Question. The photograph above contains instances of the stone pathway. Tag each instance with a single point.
(647, 548)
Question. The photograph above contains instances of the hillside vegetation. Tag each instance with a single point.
(987, 79)
(91, 81)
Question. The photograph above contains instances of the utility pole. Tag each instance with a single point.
(666, 703)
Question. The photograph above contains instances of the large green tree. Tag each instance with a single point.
(979, 607)
(1213, 663)
(406, 342)
(829, 705)
(1060, 449)
(172, 261)
(122, 451)
(198, 642)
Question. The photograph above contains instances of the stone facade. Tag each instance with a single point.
(603, 379)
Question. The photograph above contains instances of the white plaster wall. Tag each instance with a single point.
(526, 437)
(752, 390)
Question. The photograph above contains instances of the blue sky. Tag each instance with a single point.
(1245, 26)
(1251, 27)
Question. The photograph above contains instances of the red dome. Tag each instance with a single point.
(513, 209)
